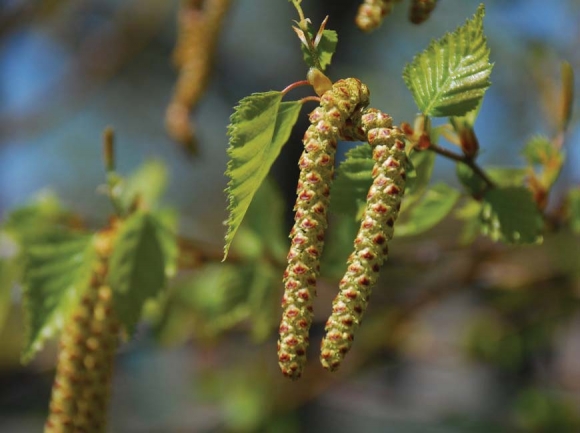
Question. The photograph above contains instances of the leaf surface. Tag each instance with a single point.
(451, 76)
(55, 277)
(259, 127)
(137, 266)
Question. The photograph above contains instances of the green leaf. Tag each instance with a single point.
(435, 205)
(574, 209)
(166, 221)
(507, 176)
(147, 184)
(265, 222)
(258, 129)
(137, 266)
(502, 176)
(353, 180)
(539, 150)
(467, 120)
(510, 214)
(55, 277)
(473, 184)
(451, 76)
(469, 213)
(10, 273)
(42, 220)
(324, 50)
(423, 163)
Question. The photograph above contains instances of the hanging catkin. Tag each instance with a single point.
(199, 23)
(371, 13)
(316, 171)
(81, 389)
(420, 10)
(371, 243)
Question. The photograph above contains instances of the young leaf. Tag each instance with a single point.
(510, 214)
(353, 181)
(137, 266)
(55, 277)
(429, 211)
(539, 150)
(324, 50)
(258, 129)
(451, 76)
(147, 184)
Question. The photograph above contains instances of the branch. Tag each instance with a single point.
(469, 161)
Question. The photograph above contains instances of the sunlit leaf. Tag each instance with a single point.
(55, 277)
(324, 50)
(258, 129)
(451, 76)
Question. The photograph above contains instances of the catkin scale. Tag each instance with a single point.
(307, 236)
(371, 243)
(420, 10)
(81, 388)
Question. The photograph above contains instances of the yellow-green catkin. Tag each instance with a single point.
(307, 236)
(420, 10)
(371, 243)
(81, 389)
(199, 24)
(371, 13)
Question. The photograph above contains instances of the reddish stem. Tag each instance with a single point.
(295, 85)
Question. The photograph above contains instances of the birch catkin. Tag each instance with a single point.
(421, 10)
(371, 13)
(371, 243)
(81, 388)
(316, 171)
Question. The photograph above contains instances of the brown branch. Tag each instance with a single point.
(470, 162)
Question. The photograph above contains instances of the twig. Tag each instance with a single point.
(470, 162)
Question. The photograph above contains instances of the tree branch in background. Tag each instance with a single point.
(198, 30)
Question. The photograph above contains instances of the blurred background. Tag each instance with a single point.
(478, 338)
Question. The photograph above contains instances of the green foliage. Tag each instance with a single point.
(42, 220)
(541, 411)
(510, 214)
(146, 185)
(574, 209)
(541, 152)
(55, 277)
(137, 266)
(433, 206)
(422, 167)
(502, 176)
(324, 50)
(10, 271)
(353, 180)
(451, 76)
(258, 129)
(219, 297)
(264, 230)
